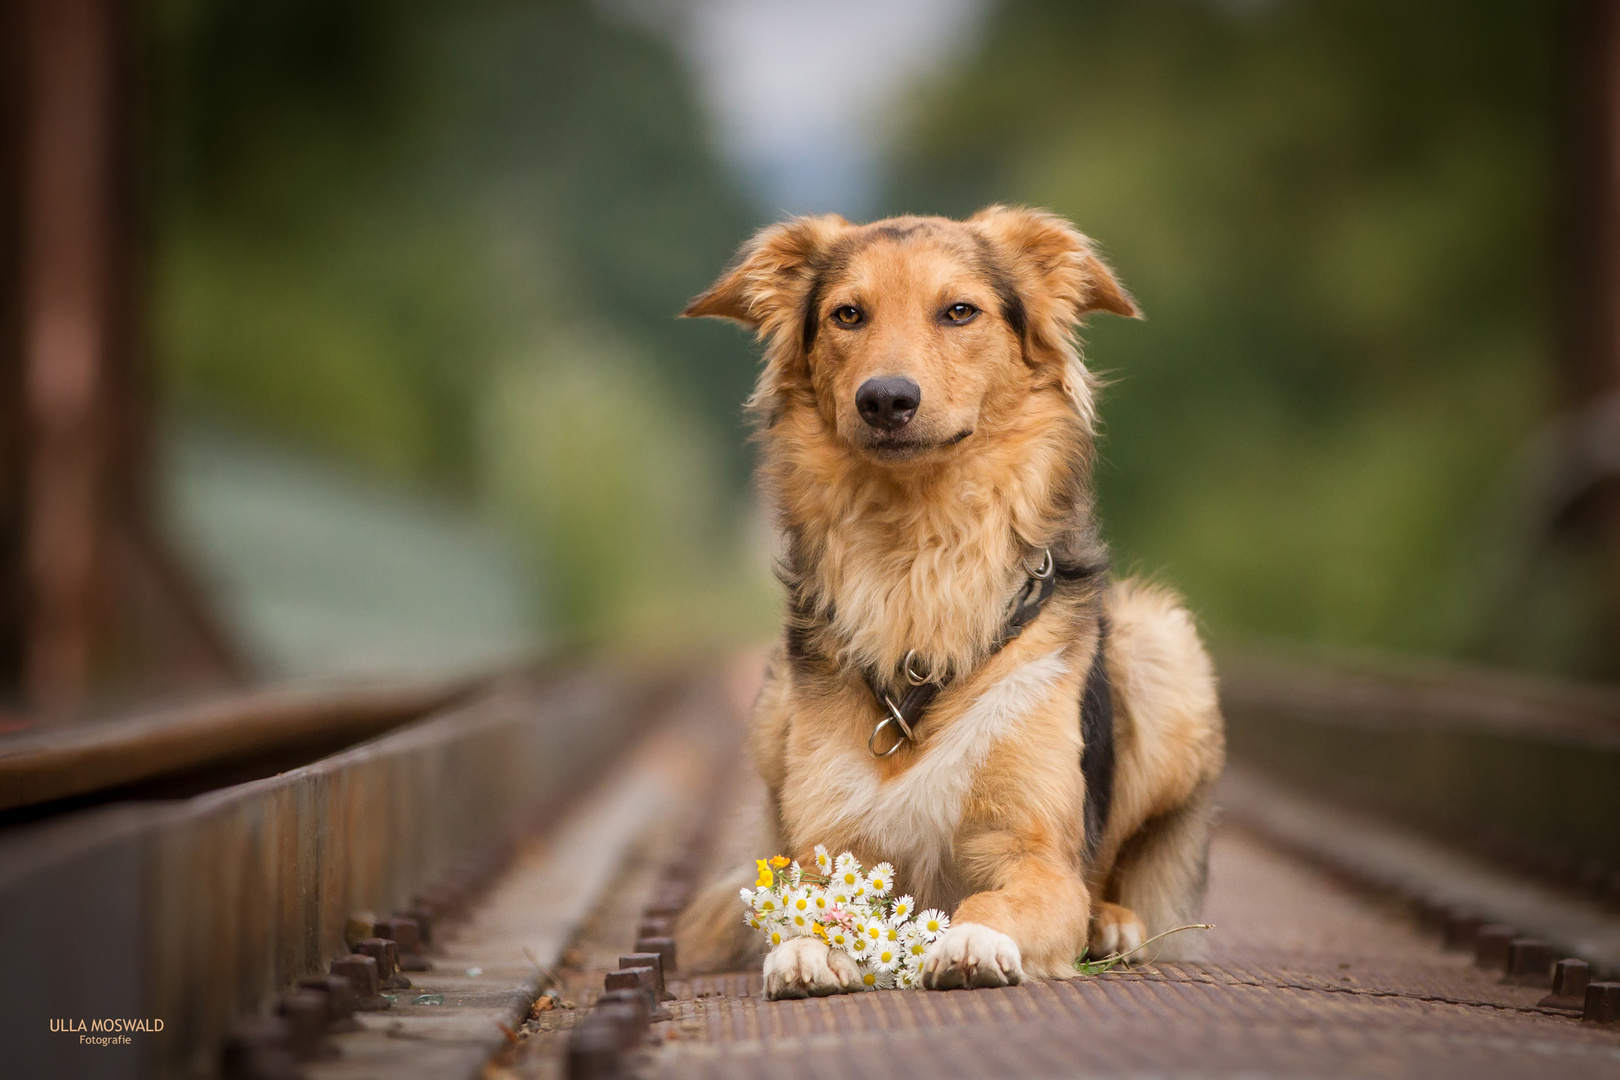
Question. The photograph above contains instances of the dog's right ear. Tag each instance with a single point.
(771, 274)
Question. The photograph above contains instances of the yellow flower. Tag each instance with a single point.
(779, 861)
(766, 878)
(820, 931)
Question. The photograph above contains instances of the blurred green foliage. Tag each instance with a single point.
(390, 231)
(1334, 215)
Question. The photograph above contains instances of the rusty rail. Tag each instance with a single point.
(199, 910)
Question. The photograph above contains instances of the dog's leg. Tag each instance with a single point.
(1033, 924)
(710, 934)
(1160, 879)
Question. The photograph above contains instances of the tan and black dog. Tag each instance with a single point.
(961, 688)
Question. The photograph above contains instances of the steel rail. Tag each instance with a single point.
(200, 910)
(65, 763)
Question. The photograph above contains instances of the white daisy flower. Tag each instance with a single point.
(858, 947)
(776, 936)
(766, 903)
(878, 980)
(838, 937)
(823, 860)
(754, 921)
(839, 895)
(798, 903)
(873, 931)
(907, 979)
(885, 956)
(801, 923)
(903, 907)
(934, 922)
(881, 879)
(820, 903)
(892, 934)
(916, 948)
(747, 896)
(793, 875)
(846, 864)
(850, 881)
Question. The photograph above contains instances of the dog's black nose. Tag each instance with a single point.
(888, 402)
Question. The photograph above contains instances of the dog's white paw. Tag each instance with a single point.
(1115, 929)
(969, 954)
(807, 967)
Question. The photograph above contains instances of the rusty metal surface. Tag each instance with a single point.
(59, 763)
(201, 910)
(1520, 769)
(1305, 979)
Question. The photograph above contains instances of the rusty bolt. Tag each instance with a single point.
(386, 953)
(1570, 979)
(423, 915)
(645, 979)
(633, 1000)
(1602, 1003)
(338, 993)
(1528, 961)
(405, 934)
(654, 961)
(256, 1049)
(361, 971)
(305, 1013)
(593, 1052)
(1462, 927)
(664, 947)
(1491, 946)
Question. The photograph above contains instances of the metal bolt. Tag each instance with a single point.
(423, 914)
(644, 979)
(667, 901)
(1462, 927)
(1570, 978)
(386, 953)
(339, 995)
(593, 1052)
(1491, 946)
(634, 1000)
(405, 934)
(361, 971)
(256, 1049)
(664, 947)
(652, 960)
(1602, 1003)
(305, 1013)
(1528, 961)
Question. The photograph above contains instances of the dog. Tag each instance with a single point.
(961, 689)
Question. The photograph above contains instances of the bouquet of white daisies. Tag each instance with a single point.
(849, 908)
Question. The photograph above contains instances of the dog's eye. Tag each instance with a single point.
(960, 313)
(849, 316)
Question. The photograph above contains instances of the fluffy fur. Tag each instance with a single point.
(918, 539)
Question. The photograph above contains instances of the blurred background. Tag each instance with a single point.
(338, 338)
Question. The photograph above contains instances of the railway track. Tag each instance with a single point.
(527, 837)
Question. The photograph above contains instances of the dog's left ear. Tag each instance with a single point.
(1057, 273)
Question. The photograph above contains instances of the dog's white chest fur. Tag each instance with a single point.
(913, 817)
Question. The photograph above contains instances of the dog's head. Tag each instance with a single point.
(909, 336)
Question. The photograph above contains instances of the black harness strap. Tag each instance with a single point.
(1097, 742)
(905, 713)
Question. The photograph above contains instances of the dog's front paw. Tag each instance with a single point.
(1115, 929)
(807, 967)
(969, 954)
